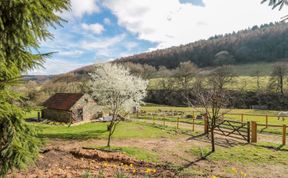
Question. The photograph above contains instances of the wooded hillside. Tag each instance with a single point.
(266, 43)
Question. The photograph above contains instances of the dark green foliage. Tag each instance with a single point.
(276, 3)
(265, 43)
(23, 24)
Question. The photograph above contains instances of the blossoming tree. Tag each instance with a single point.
(115, 88)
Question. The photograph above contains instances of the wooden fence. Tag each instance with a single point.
(253, 125)
(254, 132)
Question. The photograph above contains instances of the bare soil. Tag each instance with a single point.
(67, 158)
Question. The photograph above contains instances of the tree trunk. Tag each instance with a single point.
(212, 139)
(110, 129)
(212, 134)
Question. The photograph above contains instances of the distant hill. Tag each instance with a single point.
(37, 78)
(266, 43)
(251, 50)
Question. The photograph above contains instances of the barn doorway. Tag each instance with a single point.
(80, 114)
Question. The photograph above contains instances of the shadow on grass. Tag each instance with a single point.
(77, 136)
(283, 148)
(191, 163)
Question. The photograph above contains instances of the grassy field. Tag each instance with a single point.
(246, 154)
(32, 114)
(245, 77)
(171, 147)
(247, 83)
(125, 130)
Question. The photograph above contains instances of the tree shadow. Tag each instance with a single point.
(275, 148)
(190, 163)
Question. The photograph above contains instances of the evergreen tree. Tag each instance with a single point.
(276, 3)
(23, 25)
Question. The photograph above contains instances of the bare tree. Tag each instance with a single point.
(278, 77)
(184, 74)
(214, 96)
(116, 89)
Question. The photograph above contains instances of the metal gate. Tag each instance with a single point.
(233, 129)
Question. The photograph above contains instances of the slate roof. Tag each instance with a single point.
(62, 101)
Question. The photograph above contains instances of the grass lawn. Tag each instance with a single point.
(32, 114)
(246, 154)
(99, 130)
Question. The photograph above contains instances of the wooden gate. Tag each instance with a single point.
(233, 129)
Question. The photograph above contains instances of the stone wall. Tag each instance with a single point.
(56, 115)
(89, 106)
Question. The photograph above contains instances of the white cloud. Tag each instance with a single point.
(107, 21)
(71, 53)
(57, 66)
(171, 23)
(102, 43)
(94, 28)
(130, 45)
(82, 7)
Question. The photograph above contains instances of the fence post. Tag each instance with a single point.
(254, 132)
(206, 127)
(163, 121)
(248, 132)
(241, 117)
(153, 119)
(284, 135)
(266, 121)
(178, 123)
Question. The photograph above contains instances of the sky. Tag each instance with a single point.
(103, 30)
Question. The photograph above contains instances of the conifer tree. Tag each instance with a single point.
(23, 25)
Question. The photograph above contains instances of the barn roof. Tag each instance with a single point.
(62, 101)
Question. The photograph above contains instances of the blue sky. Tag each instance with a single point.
(103, 30)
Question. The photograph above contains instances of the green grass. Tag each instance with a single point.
(248, 83)
(245, 79)
(246, 154)
(229, 114)
(137, 153)
(31, 114)
(124, 130)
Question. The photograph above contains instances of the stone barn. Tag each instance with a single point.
(67, 107)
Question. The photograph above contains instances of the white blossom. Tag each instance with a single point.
(113, 86)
